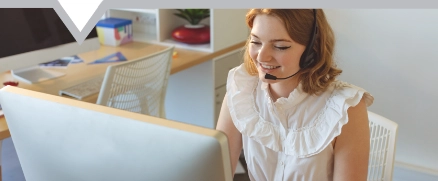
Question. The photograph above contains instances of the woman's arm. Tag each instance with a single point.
(352, 146)
(226, 125)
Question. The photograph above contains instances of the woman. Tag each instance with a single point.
(284, 106)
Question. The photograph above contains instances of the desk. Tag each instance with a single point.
(77, 73)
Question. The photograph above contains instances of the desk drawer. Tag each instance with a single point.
(224, 63)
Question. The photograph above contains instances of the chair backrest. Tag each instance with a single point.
(383, 134)
(138, 85)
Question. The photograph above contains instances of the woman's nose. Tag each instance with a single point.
(264, 55)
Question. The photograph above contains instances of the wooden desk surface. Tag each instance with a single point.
(77, 73)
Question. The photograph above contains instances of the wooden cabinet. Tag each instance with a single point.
(194, 95)
(222, 65)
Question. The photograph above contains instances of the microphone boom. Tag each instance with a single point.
(273, 77)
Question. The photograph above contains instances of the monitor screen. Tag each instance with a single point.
(60, 138)
(32, 29)
(30, 36)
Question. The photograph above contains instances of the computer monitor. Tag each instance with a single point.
(30, 36)
(64, 139)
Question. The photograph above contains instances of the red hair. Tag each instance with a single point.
(299, 23)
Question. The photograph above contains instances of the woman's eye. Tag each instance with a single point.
(254, 42)
(282, 48)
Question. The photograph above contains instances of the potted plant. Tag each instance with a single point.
(193, 32)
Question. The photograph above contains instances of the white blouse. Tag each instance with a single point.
(289, 139)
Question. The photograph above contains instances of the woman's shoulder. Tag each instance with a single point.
(349, 94)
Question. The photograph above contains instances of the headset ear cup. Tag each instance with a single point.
(309, 55)
(307, 59)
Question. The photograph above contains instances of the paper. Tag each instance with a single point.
(75, 59)
(116, 57)
(62, 62)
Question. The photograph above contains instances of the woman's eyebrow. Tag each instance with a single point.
(254, 35)
(273, 40)
(276, 40)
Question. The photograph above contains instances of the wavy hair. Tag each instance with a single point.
(299, 23)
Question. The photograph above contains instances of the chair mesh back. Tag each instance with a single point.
(138, 85)
(382, 148)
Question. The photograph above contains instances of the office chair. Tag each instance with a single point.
(138, 85)
(383, 134)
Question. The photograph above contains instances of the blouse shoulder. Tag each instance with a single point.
(351, 93)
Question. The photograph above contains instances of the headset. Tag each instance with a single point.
(309, 55)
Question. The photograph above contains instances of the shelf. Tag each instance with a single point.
(156, 25)
(151, 38)
(198, 47)
(150, 11)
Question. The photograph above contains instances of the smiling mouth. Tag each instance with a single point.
(269, 67)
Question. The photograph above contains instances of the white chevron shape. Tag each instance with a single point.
(80, 11)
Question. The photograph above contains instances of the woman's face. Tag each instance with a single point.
(272, 50)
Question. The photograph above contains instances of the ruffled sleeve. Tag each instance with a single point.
(240, 87)
(309, 140)
(314, 138)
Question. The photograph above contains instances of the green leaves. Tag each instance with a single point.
(193, 16)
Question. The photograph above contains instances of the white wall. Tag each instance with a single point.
(393, 54)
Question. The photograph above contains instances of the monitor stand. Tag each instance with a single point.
(35, 74)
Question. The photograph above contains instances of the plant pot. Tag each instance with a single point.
(192, 34)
